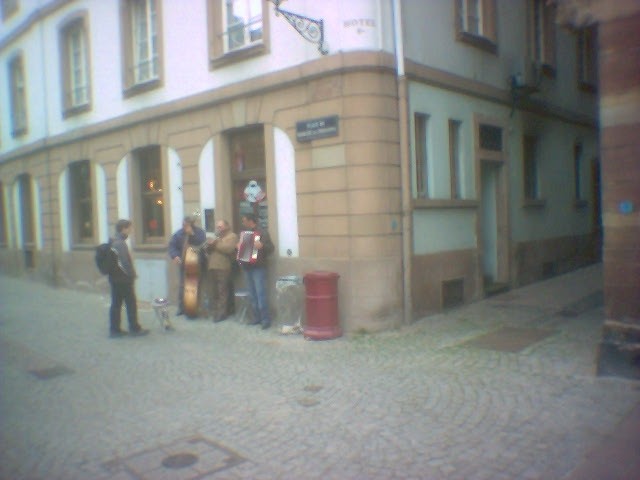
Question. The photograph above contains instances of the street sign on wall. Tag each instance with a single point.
(315, 128)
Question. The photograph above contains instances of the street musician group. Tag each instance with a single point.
(211, 261)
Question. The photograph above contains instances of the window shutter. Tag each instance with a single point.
(489, 13)
(550, 35)
(458, 22)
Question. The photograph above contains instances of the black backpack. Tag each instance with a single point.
(105, 258)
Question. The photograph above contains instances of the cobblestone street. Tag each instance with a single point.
(433, 400)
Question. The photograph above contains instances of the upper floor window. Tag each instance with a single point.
(530, 167)
(421, 122)
(587, 58)
(476, 23)
(455, 158)
(472, 16)
(242, 23)
(75, 67)
(543, 41)
(9, 7)
(18, 97)
(80, 199)
(150, 191)
(490, 137)
(142, 44)
(577, 172)
(237, 29)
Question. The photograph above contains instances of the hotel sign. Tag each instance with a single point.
(315, 128)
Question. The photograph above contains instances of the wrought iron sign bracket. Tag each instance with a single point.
(310, 29)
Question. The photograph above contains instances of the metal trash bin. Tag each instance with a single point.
(321, 306)
(289, 300)
(161, 309)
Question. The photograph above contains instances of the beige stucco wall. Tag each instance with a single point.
(348, 186)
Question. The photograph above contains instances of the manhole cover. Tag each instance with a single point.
(179, 460)
(47, 373)
(313, 388)
(308, 402)
(509, 339)
(176, 460)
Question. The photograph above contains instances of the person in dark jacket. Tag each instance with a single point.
(121, 279)
(188, 235)
(255, 274)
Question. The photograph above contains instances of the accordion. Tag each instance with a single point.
(247, 252)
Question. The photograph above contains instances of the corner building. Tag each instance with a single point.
(429, 152)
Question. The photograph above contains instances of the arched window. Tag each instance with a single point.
(25, 218)
(148, 186)
(248, 174)
(81, 202)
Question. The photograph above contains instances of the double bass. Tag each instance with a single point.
(191, 279)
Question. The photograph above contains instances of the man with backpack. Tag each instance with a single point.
(122, 276)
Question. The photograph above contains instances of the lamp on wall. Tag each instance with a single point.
(310, 29)
(524, 82)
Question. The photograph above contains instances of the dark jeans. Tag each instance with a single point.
(123, 292)
(256, 281)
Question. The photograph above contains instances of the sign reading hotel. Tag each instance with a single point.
(316, 128)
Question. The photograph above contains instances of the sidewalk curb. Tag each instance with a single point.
(618, 455)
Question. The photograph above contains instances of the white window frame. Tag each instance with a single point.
(78, 69)
(254, 18)
(18, 96)
(77, 66)
(144, 41)
(476, 23)
(477, 16)
(421, 158)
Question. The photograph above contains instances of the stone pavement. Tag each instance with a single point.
(500, 389)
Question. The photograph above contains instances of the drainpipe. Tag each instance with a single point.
(405, 170)
(47, 159)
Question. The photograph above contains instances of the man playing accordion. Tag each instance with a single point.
(254, 267)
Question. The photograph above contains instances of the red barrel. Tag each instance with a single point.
(321, 303)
